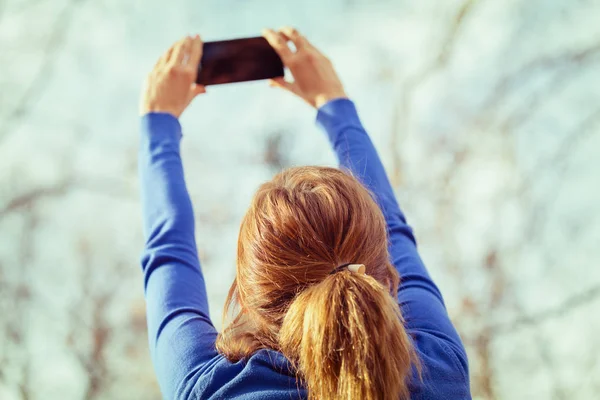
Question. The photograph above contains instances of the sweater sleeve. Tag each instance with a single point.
(420, 299)
(180, 332)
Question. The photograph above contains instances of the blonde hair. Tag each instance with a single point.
(343, 332)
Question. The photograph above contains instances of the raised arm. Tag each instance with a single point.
(180, 332)
(317, 83)
(421, 300)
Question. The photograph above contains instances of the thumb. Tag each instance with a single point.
(282, 83)
(197, 89)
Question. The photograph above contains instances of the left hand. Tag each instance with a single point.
(171, 87)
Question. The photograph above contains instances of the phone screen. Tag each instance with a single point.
(238, 60)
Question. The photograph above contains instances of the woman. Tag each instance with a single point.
(317, 308)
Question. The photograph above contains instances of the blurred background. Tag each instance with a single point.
(486, 114)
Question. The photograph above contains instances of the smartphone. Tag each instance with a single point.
(238, 60)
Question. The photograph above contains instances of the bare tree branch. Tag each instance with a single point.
(42, 77)
(402, 111)
(95, 300)
(483, 379)
(581, 131)
(101, 186)
(26, 199)
(567, 64)
(540, 213)
(451, 37)
(482, 340)
(578, 300)
(567, 59)
(15, 354)
(273, 154)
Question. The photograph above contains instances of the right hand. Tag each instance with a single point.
(315, 79)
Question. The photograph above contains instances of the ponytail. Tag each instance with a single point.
(345, 337)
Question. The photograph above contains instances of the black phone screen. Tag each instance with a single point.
(238, 60)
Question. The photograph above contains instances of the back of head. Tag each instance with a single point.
(343, 331)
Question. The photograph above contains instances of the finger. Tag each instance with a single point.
(171, 53)
(180, 50)
(165, 57)
(292, 34)
(283, 84)
(197, 89)
(183, 57)
(278, 42)
(196, 51)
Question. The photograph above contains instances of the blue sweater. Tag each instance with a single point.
(180, 331)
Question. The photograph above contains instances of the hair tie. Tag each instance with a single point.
(358, 268)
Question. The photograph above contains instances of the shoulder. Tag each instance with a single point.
(266, 375)
(445, 372)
